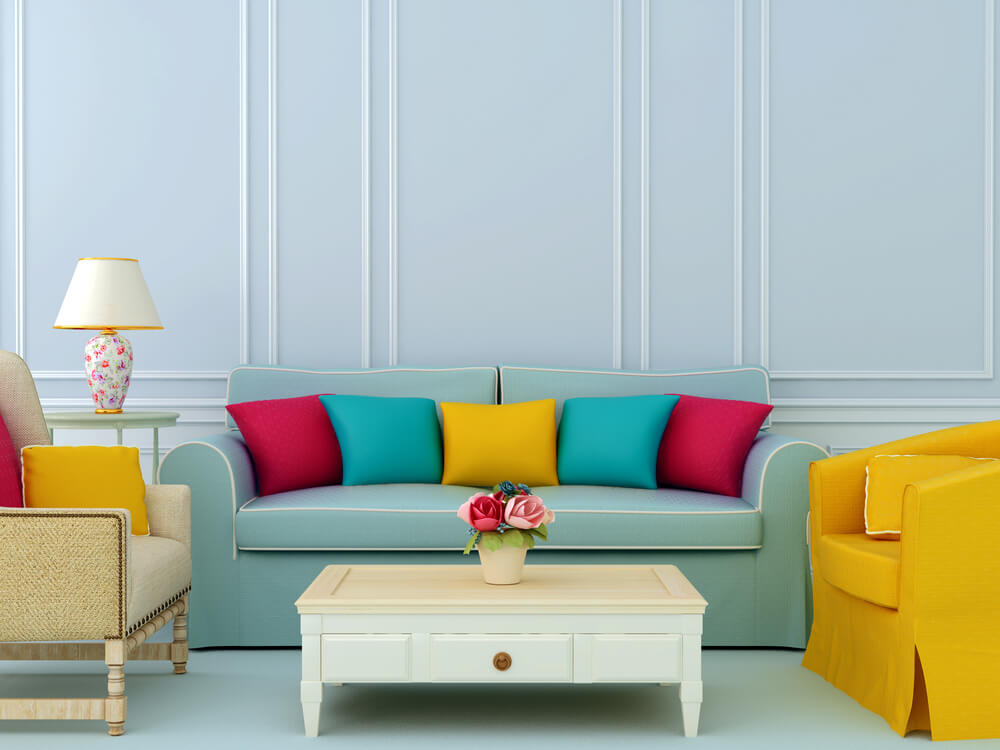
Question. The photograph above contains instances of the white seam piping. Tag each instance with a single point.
(244, 509)
(459, 549)
(229, 468)
(775, 452)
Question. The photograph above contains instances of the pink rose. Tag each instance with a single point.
(527, 512)
(482, 512)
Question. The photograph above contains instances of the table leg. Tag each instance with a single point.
(691, 685)
(52, 436)
(119, 435)
(312, 686)
(156, 455)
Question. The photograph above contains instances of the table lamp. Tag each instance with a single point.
(108, 295)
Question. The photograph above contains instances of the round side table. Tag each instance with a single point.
(127, 420)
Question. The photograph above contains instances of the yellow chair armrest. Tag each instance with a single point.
(64, 574)
(950, 555)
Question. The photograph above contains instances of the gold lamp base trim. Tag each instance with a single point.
(107, 411)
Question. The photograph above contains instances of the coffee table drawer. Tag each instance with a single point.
(501, 658)
(366, 658)
(635, 658)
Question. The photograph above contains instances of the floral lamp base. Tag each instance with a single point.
(108, 362)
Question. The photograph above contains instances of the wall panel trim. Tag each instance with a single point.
(244, 120)
(19, 258)
(272, 182)
(366, 185)
(989, 94)
(393, 300)
(644, 180)
(616, 211)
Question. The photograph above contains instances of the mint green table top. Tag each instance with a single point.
(88, 420)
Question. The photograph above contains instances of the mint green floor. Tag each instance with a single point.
(249, 699)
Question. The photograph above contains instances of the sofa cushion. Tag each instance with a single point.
(420, 516)
(159, 569)
(10, 471)
(863, 567)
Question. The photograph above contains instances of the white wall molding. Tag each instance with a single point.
(244, 120)
(989, 93)
(393, 338)
(19, 258)
(644, 181)
(884, 411)
(366, 184)
(138, 375)
(616, 192)
(272, 183)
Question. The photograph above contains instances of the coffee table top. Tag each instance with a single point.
(563, 589)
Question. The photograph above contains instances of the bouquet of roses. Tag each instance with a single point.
(510, 515)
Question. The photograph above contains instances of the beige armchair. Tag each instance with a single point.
(79, 575)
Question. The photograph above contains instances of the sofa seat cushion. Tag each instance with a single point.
(424, 516)
(863, 567)
(159, 569)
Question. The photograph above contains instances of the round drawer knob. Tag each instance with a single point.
(502, 661)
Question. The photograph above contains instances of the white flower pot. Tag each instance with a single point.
(502, 566)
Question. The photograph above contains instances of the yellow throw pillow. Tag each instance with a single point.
(86, 476)
(887, 479)
(486, 444)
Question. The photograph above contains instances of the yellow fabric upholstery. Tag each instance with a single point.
(87, 476)
(933, 662)
(485, 444)
(863, 567)
(888, 477)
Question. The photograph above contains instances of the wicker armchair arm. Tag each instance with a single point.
(168, 507)
(64, 574)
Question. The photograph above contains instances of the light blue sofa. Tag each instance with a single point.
(253, 556)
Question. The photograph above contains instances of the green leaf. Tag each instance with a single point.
(513, 538)
(471, 543)
(491, 540)
(541, 532)
(529, 541)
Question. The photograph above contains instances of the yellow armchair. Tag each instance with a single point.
(909, 628)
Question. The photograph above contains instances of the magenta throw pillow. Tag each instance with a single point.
(706, 443)
(292, 442)
(10, 472)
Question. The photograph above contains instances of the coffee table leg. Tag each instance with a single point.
(312, 701)
(312, 685)
(691, 686)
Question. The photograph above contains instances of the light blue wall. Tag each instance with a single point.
(816, 192)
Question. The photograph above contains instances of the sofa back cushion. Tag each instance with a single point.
(474, 385)
(747, 383)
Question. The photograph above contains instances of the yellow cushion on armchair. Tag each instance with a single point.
(87, 476)
(887, 477)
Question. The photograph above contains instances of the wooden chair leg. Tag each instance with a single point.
(179, 648)
(114, 704)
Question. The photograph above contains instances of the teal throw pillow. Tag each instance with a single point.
(386, 440)
(611, 441)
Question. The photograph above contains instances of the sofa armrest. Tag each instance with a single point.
(949, 561)
(168, 508)
(772, 462)
(220, 474)
(64, 573)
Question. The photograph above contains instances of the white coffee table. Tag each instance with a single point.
(441, 623)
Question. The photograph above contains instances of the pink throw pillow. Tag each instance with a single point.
(292, 442)
(10, 472)
(706, 443)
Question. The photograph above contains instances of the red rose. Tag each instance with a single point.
(482, 512)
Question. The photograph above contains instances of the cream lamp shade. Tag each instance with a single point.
(108, 293)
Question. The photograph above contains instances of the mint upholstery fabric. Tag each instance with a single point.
(747, 383)
(612, 440)
(473, 385)
(421, 516)
(385, 439)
